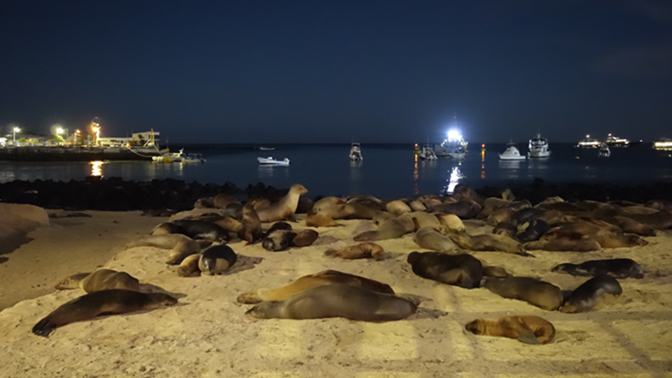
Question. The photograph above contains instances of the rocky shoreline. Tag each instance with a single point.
(115, 194)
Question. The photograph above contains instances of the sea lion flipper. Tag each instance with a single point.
(44, 327)
(525, 254)
(527, 336)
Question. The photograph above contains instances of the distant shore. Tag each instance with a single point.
(115, 194)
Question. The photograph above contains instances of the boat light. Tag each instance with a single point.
(453, 135)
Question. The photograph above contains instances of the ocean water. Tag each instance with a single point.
(388, 171)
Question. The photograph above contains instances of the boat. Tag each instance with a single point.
(193, 158)
(427, 153)
(168, 157)
(270, 161)
(663, 144)
(604, 150)
(511, 153)
(267, 148)
(589, 142)
(453, 146)
(356, 152)
(538, 147)
(613, 141)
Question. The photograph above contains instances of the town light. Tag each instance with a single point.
(14, 131)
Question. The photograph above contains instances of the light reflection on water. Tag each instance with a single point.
(454, 179)
(96, 168)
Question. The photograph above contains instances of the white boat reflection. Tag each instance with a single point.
(511, 164)
(96, 168)
(453, 180)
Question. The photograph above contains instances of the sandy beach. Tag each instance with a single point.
(207, 334)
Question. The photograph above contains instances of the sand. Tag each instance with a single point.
(208, 335)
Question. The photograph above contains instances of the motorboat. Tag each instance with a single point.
(267, 148)
(356, 152)
(270, 161)
(193, 158)
(588, 142)
(538, 147)
(613, 141)
(663, 144)
(604, 150)
(169, 157)
(511, 153)
(453, 146)
(427, 153)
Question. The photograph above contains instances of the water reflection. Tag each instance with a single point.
(267, 172)
(510, 164)
(97, 168)
(355, 163)
(416, 189)
(453, 180)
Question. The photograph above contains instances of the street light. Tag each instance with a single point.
(96, 129)
(14, 131)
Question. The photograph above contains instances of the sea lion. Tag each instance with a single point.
(450, 222)
(320, 220)
(491, 204)
(416, 205)
(500, 215)
(381, 217)
(429, 238)
(250, 229)
(463, 209)
(505, 228)
(527, 329)
(426, 220)
(217, 259)
(525, 215)
(495, 271)
(460, 270)
(221, 200)
(285, 208)
(113, 301)
(600, 233)
(536, 292)
(189, 266)
(557, 245)
(204, 203)
(328, 301)
(487, 242)
(165, 228)
(368, 201)
(364, 250)
(326, 277)
(617, 268)
(305, 238)
(390, 229)
(278, 240)
(534, 231)
(397, 207)
(585, 296)
(630, 225)
(197, 229)
(181, 245)
(102, 279)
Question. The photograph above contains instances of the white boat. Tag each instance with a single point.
(193, 158)
(663, 144)
(270, 161)
(613, 141)
(356, 152)
(538, 147)
(604, 150)
(169, 157)
(511, 153)
(267, 148)
(589, 142)
(453, 146)
(427, 153)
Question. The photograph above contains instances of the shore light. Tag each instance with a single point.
(14, 131)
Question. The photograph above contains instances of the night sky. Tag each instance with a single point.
(338, 71)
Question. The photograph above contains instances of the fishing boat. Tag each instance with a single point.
(193, 158)
(511, 153)
(604, 150)
(427, 153)
(356, 152)
(613, 141)
(273, 162)
(538, 147)
(663, 144)
(453, 146)
(588, 142)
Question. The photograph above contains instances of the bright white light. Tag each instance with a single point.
(59, 131)
(17, 130)
(453, 135)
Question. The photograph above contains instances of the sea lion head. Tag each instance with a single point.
(413, 257)
(299, 188)
(265, 310)
(158, 300)
(476, 327)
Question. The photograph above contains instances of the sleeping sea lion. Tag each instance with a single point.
(463, 209)
(390, 229)
(329, 301)
(102, 279)
(534, 231)
(536, 292)
(426, 220)
(217, 259)
(460, 270)
(326, 277)
(364, 250)
(189, 266)
(431, 239)
(487, 242)
(320, 220)
(198, 229)
(285, 208)
(304, 238)
(180, 245)
(450, 222)
(505, 228)
(585, 296)
(381, 217)
(397, 207)
(113, 301)
(278, 240)
(527, 329)
(617, 268)
(571, 245)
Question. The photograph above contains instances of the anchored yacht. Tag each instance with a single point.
(613, 141)
(511, 153)
(356, 152)
(589, 142)
(538, 147)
